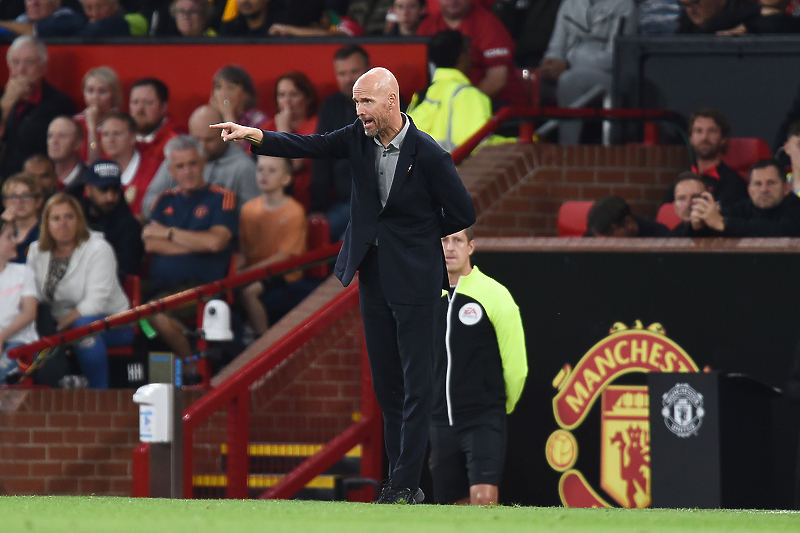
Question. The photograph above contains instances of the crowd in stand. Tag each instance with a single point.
(121, 189)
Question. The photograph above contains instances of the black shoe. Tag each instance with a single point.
(394, 493)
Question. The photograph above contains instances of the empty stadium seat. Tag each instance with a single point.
(743, 152)
(319, 235)
(666, 215)
(572, 218)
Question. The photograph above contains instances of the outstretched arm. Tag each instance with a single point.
(231, 131)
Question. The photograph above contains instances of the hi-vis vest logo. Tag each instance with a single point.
(682, 410)
(470, 314)
(625, 429)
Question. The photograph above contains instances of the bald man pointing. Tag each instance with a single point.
(406, 195)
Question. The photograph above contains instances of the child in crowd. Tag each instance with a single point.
(17, 301)
(22, 200)
(272, 227)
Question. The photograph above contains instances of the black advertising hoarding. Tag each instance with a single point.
(599, 320)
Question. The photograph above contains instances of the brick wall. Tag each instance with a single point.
(518, 188)
(76, 442)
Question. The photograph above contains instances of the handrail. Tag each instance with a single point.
(506, 113)
(312, 258)
(237, 387)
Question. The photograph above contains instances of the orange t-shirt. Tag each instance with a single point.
(264, 232)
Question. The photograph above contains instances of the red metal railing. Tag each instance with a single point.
(505, 114)
(233, 396)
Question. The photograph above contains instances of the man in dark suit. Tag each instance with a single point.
(406, 195)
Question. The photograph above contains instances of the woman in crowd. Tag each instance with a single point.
(234, 96)
(296, 101)
(22, 200)
(102, 93)
(76, 274)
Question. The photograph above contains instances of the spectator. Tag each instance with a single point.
(710, 16)
(107, 19)
(792, 150)
(234, 96)
(296, 101)
(63, 147)
(193, 17)
(769, 16)
(493, 70)
(76, 274)
(107, 213)
(226, 166)
(22, 201)
(577, 63)
(17, 301)
(708, 135)
(45, 18)
(189, 236)
(317, 21)
(450, 109)
(404, 18)
(330, 178)
(770, 211)
(118, 141)
(28, 104)
(611, 217)
(688, 187)
(272, 227)
(370, 14)
(530, 24)
(43, 170)
(254, 20)
(478, 377)
(148, 106)
(102, 94)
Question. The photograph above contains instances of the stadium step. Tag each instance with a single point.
(268, 463)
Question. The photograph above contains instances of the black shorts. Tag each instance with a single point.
(467, 454)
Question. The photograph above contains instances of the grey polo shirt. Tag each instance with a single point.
(386, 160)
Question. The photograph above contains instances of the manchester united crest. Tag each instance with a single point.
(625, 429)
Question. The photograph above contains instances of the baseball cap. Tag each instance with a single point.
(103, 173)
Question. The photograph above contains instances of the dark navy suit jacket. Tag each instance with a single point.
(427, 201)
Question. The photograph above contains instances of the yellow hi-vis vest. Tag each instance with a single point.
(452, 109)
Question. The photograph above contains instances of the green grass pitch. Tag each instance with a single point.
(55, 514)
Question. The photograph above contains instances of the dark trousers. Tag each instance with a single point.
(400, 343)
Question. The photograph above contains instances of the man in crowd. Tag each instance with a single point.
(770, 211)
(708, 134)
(450, 109)
(688, 187)
(148, 106)
(225, 165)
(478, 376)
(255, 18)
(189, 237)
(45, 18)
(28, 104)
(579, 57)
(611, 217)
(42, 168)
(330, 178)
(108, 213)
(492, 55)
(118, 140)
(64, 137)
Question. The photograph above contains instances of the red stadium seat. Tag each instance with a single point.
(319, 235)
(666, 215)
(572, 218)
(743, 152)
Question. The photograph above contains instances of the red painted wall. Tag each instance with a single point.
(187, 69)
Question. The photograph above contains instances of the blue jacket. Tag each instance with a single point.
(426, 202)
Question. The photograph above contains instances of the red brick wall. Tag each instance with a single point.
(518, 188)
